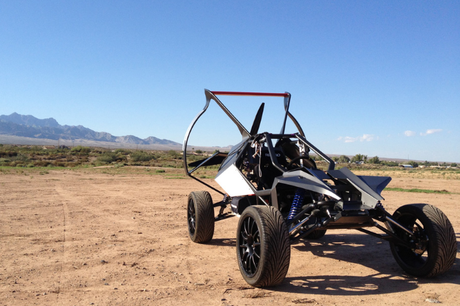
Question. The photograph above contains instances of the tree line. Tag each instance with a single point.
(363, 159)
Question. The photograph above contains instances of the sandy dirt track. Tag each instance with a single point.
(84, 237)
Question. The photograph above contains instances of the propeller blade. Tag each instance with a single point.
(257, 120)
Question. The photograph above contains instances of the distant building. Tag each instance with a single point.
(406, 166)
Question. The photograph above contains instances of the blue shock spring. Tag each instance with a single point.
(296, 203)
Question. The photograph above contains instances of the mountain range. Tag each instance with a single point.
(28, 126)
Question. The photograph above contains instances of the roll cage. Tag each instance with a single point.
(248, 135)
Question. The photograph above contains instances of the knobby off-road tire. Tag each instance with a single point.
(435, 238)
(200, 216)
(262, 246)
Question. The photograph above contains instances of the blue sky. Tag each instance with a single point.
(380, 78)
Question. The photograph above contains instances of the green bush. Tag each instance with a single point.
(343, 159)
(80, 150)
(389, 163)
(374, 160)
(413, 164)
(21, 157)
(141, 156)
(174, 154)
(4, 160)
(122, 151)
(107, 158)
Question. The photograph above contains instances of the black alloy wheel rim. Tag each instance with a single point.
(417, 255)
(249, 248)
(191, 217)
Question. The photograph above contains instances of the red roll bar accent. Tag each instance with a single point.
(242, 93)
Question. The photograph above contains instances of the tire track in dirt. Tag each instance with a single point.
(63, 194)
(135, 219)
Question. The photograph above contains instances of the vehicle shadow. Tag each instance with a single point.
(346, 285)
(224, 242)
(363, 250)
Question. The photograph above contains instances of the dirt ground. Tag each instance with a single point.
(84, 237)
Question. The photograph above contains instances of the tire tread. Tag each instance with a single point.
(447, 242)
(204, 211)
(276, 251)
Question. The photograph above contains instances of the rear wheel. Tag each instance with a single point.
(263, 247)
(433, 246)
(200, 216)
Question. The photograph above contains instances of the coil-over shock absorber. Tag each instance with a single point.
(296, 203)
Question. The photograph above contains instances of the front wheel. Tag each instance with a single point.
(263, 247)
(433, 246)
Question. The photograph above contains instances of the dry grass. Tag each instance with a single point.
(416, 173)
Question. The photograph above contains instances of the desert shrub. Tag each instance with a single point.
(42, 163)
(141, 156)
(20, 158)
(389, 163)
(4, 161)
(174, 154)
(122, 151)
(97, 151)
(107, 158)
(316, 157)
(80, 150)
(8, 153)
(70, 164)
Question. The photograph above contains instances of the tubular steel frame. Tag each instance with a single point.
(212, 95)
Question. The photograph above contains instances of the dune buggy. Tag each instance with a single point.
(272, 183)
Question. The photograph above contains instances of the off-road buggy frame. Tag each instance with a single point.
(280, 196)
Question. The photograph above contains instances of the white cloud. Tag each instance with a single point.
(431, 131)
(365, 137)
(350, 139)
(409, 133)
